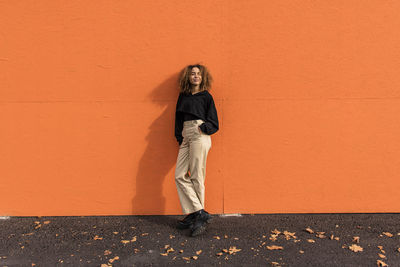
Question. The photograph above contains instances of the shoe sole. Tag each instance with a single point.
(183, 227)
(199, 230)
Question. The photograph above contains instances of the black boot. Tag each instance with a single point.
(188, 221)
(200, 223)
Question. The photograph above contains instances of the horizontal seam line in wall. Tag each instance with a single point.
(96, 101)
(315, 98)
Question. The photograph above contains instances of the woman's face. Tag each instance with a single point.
(195, 76)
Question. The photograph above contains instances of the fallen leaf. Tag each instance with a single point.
(114, 259)
(276, 231)
(273, 237)
(199, 252)
(356, 239)
(310, 240)
(381, 249)
(195, 257)
(381, 263)
(104, 265)
(274, 263)
(308, 229)
(235, 238)
(181, 251)
(233, 250)
(170, 250)
(355, 248)
(337, 238)
(133, 239)
(164, 254)
(37, 222)
(398, 249)
(301, 251)
(216, 237)
(320, 235)
(289, 235)
(186, 258)
(97, 238)
(381, 256)
(46, 222)
(144, 234)
(171, 236)
(107, 252)
(115, 233)
(387, 234)
(225, 236)
(125, 241)
(274, 247)
(219, 254)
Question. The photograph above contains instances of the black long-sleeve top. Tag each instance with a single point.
(201, 106)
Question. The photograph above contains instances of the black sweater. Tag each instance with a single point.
(200, 105)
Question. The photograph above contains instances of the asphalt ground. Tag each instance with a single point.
(246, 240)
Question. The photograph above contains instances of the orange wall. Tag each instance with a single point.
(307, 94)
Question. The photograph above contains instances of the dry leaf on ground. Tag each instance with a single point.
(273, 237)
(381, 256)
(233, 250)
(216, 237)
(114, 259)
(310, 240)
(125, 241)
(387, 234)
(320, 235)
(115, 233)
(308, 229)
(107, 252)
(356, 239)
(381, 263)
(276, 231)
(195, 257)
(355, 248)
(46, 222)
(219, 254)
(164, 254)
(289, 235)
(199, 252)
(274, 247)
(186, 258)
(97, 238)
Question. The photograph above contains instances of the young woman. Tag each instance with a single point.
(195, 120)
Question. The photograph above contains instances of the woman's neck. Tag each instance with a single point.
(195, 89)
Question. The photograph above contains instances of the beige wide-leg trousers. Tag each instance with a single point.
(190, 169)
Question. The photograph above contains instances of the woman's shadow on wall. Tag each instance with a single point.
(160, 154)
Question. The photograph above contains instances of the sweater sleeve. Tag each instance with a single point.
(178, 122)
(210, 126)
